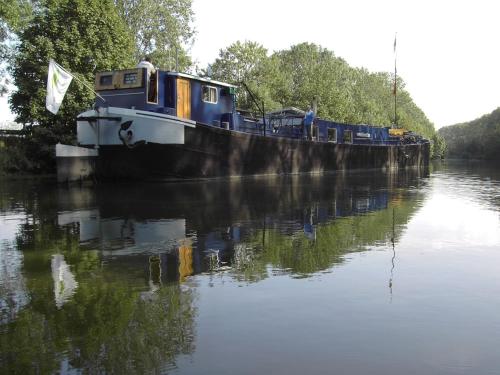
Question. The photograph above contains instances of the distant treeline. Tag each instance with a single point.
(477, 139)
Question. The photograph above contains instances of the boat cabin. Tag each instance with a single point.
(213, 103)
(177, 94)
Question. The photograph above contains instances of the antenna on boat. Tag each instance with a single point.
(395, 83)
(256, 102)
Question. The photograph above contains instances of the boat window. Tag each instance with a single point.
(106, 80)
(347, 136)
(209, 94)
(332, 135)
(130, 78)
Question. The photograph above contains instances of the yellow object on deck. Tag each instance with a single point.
(396, 132)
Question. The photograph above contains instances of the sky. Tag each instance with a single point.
(447, 51)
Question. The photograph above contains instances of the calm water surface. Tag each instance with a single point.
(362, 273)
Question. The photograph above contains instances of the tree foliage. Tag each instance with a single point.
(307, 72)
(239, 62)
(477, 139)
(14, 15)
(303, 257)
(82, 36)
(161, 28)
(242, 62)
(108, 326)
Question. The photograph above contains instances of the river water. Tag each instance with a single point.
(355, 273)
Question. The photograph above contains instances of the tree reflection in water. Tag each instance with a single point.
(133, 251)
(107, 326)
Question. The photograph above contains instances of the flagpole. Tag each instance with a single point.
(395, 83)
(83, 83)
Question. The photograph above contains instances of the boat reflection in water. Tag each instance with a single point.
(178, 230)
(112, 274)
(346, 273)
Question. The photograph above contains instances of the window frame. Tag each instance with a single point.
(126, 75)
(106, 80)
(344, 137)
(216, 94)
(328, 135)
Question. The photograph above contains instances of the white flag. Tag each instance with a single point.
(58, 81)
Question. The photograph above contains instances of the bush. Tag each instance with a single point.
(33, 152)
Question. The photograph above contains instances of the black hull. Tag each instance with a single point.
(213, 152)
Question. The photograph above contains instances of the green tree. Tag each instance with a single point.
(309, 72)
(306, 72)
(477, 139)
(244, 62)
(84, 37)
(240, 62)
(438, 145)
(161, 28)
(14, 15)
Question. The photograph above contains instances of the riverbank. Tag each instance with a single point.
(31, 153)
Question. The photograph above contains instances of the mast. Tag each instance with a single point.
(395, 84)
(256, 102)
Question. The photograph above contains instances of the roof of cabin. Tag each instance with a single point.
(207, 80)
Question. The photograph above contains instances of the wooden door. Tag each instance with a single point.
(183, 98)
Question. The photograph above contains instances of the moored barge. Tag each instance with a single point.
(175, 126)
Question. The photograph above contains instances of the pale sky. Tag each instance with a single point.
(447, 51)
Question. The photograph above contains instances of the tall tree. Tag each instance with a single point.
(307, 72)
(161, 28)
(83, 36)
(239, 62)
(243, 63)
(477, 139)
(14, 15)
